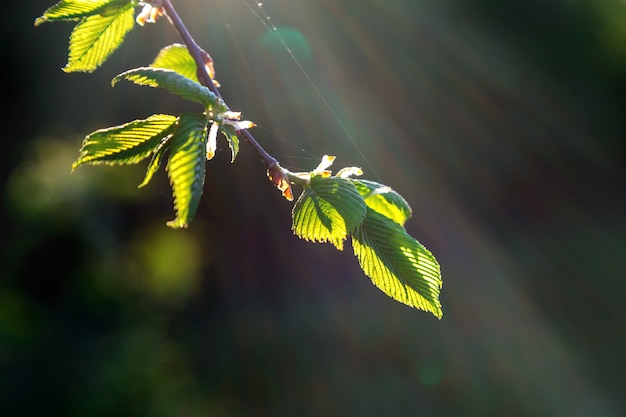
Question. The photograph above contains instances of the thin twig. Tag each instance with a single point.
(197, 54)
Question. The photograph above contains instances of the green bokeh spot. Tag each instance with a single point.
(430, 372)
(278, 40)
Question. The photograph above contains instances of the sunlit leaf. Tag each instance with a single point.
(186, 166)
(349, 172)
(328, 210)
(171, 81)
(97, 36)
(384, 200)
(397, 263)
(211, 145)
(155, 162)
(125, 144)
(149, 13)
(177, 58)
(327, 161)
(239, 124)
(77, 9)
(233, 140)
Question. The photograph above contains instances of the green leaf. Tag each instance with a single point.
(125, 144)
(186, 166)
(172, 82)
(97, 36)
(328, 210)
(155, 162)
(384, 200)
(233, 140)
(397, 263)
(177, 58)
(77, 9)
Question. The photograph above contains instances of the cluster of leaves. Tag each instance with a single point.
(334, 207)
(331, 208)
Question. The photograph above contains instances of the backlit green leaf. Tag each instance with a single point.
(155, 162)
(384, 200)
(172, 82)
(328, 210)
(77, 9)
(233, 140)
(186, 166)
(125, 144)
(97, 36)
(397, 263)
(177, 58)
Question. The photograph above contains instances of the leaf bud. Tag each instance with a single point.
(280, 178)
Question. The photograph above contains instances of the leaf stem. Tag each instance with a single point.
(198, 56)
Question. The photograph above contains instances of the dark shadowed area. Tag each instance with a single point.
(501, 123)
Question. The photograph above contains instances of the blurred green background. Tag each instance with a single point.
(501, 123)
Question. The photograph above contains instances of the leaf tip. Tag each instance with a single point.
(177, 224)
(73, 68)
(436, 310)
(75, 165)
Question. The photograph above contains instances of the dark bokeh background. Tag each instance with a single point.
(502, 124)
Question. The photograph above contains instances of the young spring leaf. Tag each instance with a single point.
(177, 58)
(76, 9)
(228, 122)
(125, 144)
(98, 35)
(233, 141)
(328, 210)
(384, 200)
(172, 81)
(397, 263)
(230, 133)
(186, 166)
(155, 162)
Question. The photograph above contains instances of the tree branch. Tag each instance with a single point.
(200, 57)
